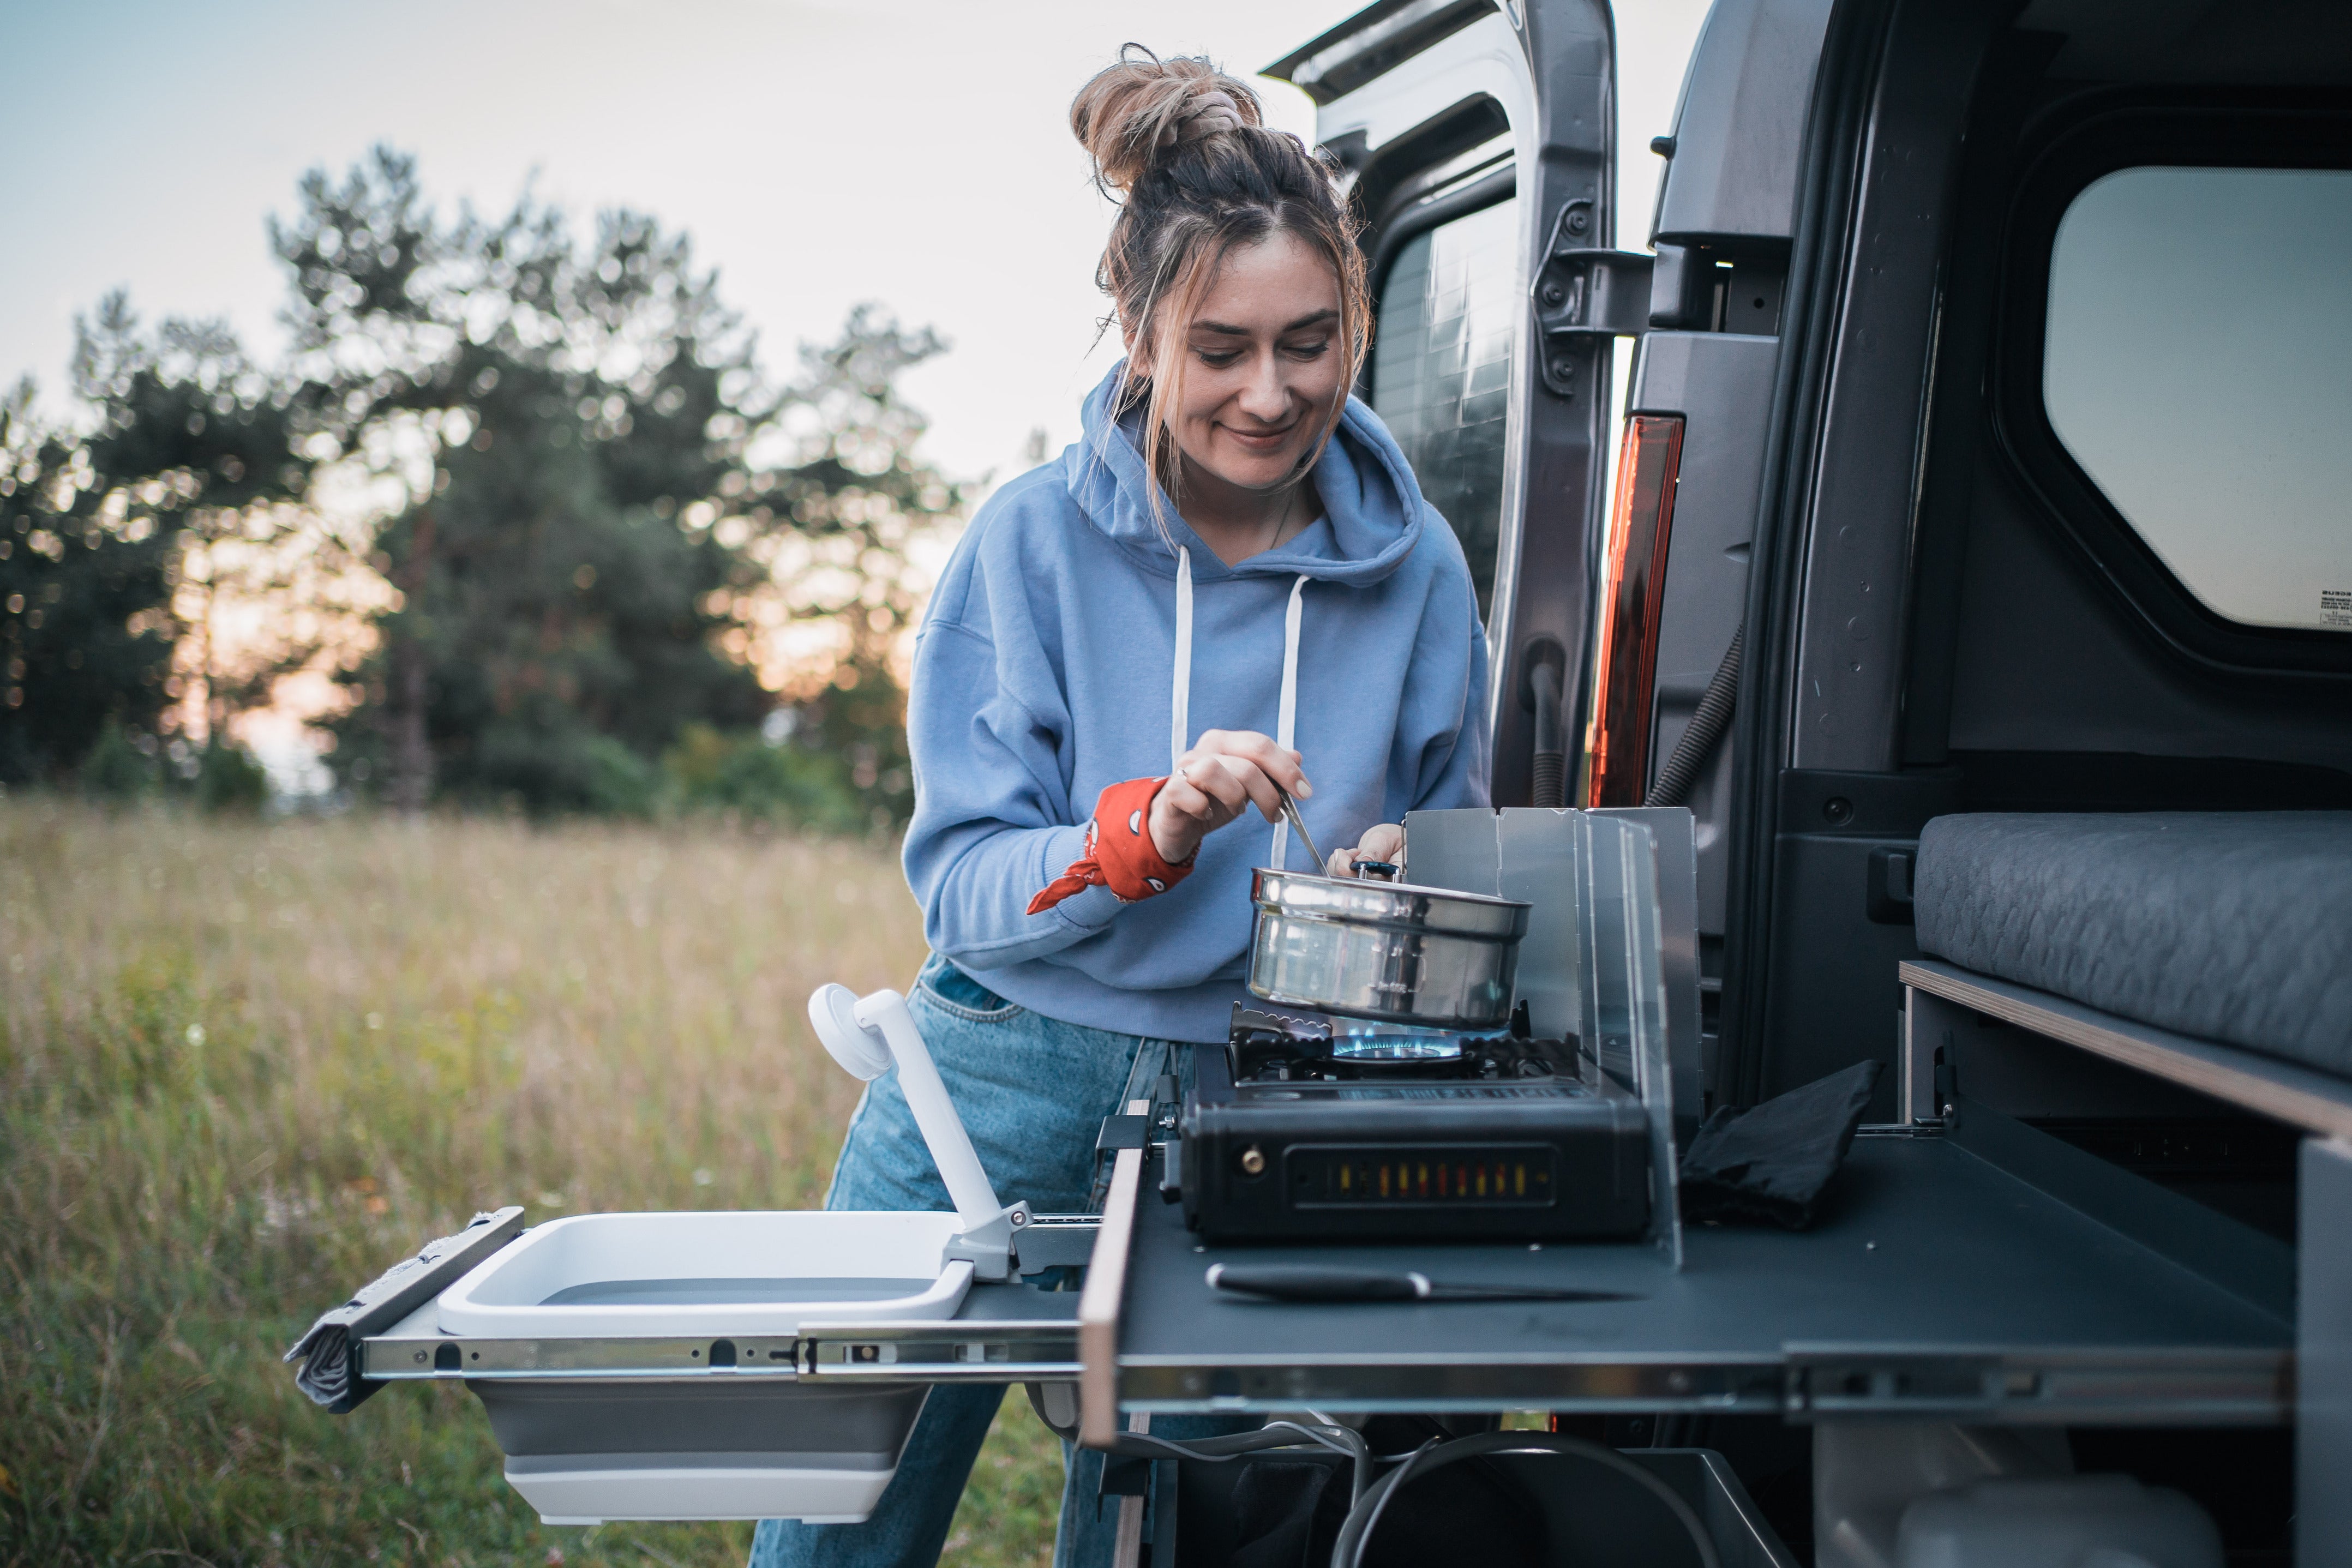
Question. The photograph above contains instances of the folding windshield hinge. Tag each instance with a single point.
(1582, 295)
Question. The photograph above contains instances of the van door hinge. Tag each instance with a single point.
(1582, 295)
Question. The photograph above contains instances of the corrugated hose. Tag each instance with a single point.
(1708, 722)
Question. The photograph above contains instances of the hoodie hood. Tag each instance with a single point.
(1372, 509)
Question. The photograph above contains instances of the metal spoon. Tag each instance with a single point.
(1291, 814)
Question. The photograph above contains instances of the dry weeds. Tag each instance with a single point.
(243, 1066)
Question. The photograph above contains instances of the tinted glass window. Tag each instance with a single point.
(1442, 369)
(2198, 368)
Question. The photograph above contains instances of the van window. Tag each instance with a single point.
(2198, 368)
(1442, 369)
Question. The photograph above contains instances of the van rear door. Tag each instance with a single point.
(1481, 141)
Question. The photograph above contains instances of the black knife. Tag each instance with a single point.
(1321, 1282)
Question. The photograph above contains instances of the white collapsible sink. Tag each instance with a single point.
(582, 1449)
(597, 1275)
(644, 1366)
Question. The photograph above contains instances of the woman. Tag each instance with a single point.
(1230, 587)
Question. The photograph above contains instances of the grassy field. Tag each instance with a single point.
(244, 1067)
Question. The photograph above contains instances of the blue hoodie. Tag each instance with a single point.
(1045, 671)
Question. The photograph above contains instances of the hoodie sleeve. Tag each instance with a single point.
(993, 822)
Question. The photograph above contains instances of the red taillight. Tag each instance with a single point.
(1632, 589)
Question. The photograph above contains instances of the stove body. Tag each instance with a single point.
(1297, 1130)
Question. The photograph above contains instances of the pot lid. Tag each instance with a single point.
(1394, 904)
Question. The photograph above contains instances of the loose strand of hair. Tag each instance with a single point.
(1188, 281)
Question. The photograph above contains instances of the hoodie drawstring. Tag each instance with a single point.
(1180, 700)
(1181, 739)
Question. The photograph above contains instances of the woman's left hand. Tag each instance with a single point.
(1385, 843)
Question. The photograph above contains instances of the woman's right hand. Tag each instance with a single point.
(1226, 772)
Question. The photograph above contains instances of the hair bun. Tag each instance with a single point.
(1134, 114)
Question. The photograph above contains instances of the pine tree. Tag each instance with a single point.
(189, 439)
(598, 495)
(562, 421)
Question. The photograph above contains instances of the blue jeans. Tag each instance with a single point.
(1032, 1092)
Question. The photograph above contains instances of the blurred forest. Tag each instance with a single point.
(527, 496)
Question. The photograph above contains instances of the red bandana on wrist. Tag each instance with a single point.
(1120, 852)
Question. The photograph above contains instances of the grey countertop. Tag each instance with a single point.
(1937, 1283)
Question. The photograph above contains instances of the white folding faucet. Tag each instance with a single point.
(865, 1034)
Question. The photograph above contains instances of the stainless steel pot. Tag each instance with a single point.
(1386, 951)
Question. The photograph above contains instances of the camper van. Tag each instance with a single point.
(1917, 573)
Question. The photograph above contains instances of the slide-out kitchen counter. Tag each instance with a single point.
(1980, 1271)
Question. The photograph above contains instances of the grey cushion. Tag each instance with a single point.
(2234, 926)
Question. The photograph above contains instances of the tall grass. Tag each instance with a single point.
(244, 1067)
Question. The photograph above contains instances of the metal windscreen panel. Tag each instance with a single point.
(1442, 371)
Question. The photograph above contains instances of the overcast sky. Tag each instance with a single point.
(821, 152)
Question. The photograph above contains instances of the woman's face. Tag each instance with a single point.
(1263, 366)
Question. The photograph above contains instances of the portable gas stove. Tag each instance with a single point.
(1305, 1127)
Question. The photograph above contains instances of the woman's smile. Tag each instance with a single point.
(1261, 441)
